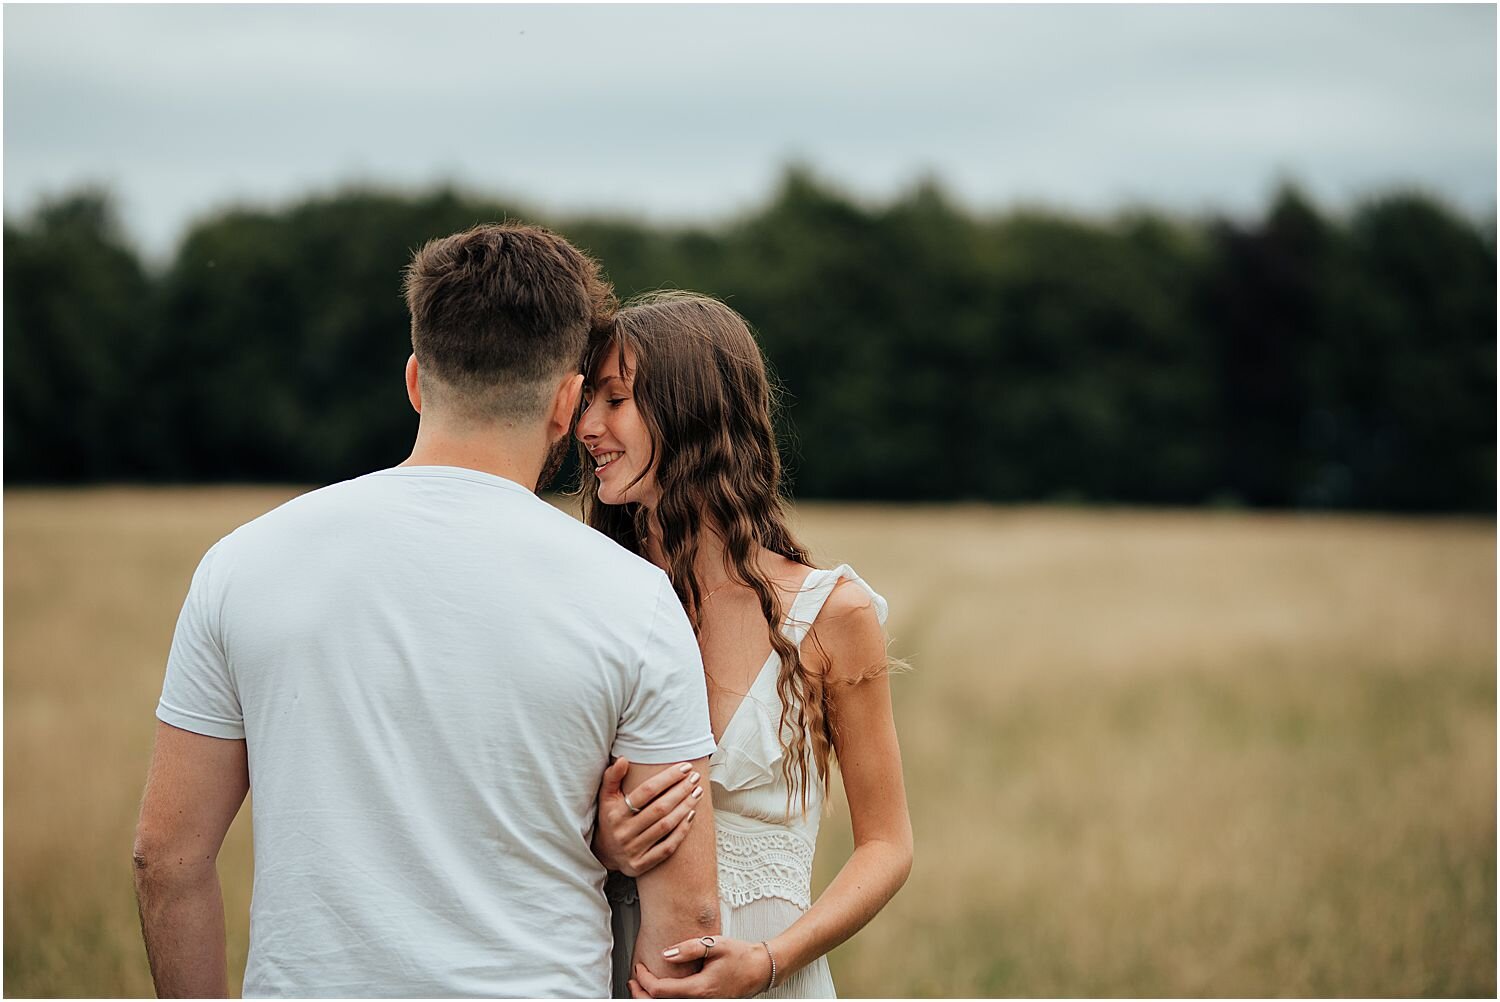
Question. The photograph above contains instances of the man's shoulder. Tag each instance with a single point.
(362, 508)
(605, 563)
(293, 511)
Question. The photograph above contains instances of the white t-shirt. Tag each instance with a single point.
(430, 667)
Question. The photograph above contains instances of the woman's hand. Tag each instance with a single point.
(732, 969)
(633, 842)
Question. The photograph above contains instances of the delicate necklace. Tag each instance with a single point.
(717, 588)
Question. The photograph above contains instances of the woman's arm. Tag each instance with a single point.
(848, 647)
(852, 645)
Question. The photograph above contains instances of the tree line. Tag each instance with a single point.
(924, 352)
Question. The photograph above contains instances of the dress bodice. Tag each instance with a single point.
(765, 839)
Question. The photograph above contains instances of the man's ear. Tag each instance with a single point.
(413, 387)
(564, 407)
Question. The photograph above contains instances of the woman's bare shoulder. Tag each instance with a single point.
(848, 640)
(849, 599)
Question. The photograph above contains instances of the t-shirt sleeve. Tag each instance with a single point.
(199, 694)
(665, 718)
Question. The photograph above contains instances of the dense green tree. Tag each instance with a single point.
(1408, 387)
(289, 334)
(1356, 364)
(922, 351)
(1266, 297)
(81, 402)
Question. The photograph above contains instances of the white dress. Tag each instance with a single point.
(765, 851)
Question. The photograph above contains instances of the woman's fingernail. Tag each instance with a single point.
(694, 779)
(671, 953)
(689, 817)
(685, 767)
(697, 793)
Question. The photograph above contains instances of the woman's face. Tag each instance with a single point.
(615, 434)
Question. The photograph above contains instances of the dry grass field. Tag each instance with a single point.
(1148, 753)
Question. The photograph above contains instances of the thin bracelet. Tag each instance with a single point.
(772, 957)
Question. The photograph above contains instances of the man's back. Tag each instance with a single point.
(432, 666)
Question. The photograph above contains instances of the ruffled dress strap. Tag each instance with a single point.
(814, 595)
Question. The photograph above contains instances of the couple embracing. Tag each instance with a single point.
(484, 742)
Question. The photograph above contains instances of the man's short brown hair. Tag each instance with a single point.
(497, 313)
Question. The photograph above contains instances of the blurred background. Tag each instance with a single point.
(1144, 357)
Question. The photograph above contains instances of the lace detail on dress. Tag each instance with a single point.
(769, 864)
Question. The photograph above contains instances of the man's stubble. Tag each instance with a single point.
(556, 456)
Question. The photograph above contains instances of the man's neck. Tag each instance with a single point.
(488, 451)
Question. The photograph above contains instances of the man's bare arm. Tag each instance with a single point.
(193, 791)
(680, 896)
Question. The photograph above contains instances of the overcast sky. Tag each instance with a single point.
(689, 112)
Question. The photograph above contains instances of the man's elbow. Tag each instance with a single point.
(145, 855)
(691, 917)
(684, 918)
(706, 920)
(159, 862)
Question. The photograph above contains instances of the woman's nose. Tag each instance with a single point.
(588, 425)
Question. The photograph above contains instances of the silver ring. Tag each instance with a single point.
(708, 944)
(633, 809)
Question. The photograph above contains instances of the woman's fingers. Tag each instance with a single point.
(666, 825)
(636, 991)
(659, 988)
(647, 818)
(688, 950)
(645, 979)
(609, 785)
(658, 783)
(658, 853)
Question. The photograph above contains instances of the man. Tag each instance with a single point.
(421, 675)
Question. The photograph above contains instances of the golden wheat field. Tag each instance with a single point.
(1148, 753)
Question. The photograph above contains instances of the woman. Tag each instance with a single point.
(677, 430)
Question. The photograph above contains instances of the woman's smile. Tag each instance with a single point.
(615, 433)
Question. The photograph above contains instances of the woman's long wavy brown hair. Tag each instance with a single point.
(701, 387)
